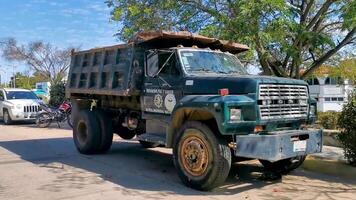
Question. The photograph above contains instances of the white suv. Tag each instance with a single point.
(18, 105)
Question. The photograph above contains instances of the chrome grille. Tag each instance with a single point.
(283, 101)
(31, 108)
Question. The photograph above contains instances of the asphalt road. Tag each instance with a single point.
(44, 164)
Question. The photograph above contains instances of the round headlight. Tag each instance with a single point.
(18, 106)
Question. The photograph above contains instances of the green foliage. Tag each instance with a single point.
(328, 120)
(57, 94)
(286, 35)
(347, 123)
(27, 81)
(346, 69)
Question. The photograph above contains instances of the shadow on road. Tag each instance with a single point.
(32, 124)
(127, 165)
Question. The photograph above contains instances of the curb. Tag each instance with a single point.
(330, 167)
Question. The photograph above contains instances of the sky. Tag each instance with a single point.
(63, 23)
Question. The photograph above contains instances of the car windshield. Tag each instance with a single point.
(211, 62)
(20, 95)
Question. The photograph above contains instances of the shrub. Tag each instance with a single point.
(347, 123)
(328, 120)
(57, 94)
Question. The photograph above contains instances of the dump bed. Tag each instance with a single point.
(118, 70)
(105, 71)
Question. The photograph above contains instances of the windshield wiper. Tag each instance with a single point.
(202, 70)
(223, 72)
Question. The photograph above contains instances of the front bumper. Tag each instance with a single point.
(279, 145)
(22, 116)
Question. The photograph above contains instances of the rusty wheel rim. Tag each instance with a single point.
(194, 155)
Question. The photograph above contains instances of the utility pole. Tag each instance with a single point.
(4, 79)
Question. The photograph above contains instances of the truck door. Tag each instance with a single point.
(163, 82)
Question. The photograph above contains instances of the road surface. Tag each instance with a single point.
(40, 163)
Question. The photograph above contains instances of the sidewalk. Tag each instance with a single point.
(331, 153)
(331, 161)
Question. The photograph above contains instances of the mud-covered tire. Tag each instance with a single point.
(283, 166)
(148, 145)
(7, 118)
(86, 132)
(106, 135)
(204, 170)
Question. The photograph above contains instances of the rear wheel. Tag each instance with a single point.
(43, 120)
(283, 166)
(202, 160)
(106, 131)
(7, 118)
(86, 132)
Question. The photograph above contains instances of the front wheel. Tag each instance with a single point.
(202, 159)
(283, 166)
(7, 118)
(43, 120)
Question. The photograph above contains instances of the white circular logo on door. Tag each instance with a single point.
(158, 100)
(170, 102)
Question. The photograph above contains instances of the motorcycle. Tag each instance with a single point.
(60, 114)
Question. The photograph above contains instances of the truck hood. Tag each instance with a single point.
(242, 84)
(24, 102)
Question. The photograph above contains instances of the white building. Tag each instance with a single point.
(331, 93)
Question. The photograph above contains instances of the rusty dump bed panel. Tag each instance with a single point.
(105, 71)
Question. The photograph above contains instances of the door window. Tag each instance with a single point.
(162, 63)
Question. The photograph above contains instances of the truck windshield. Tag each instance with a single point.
(197, 62)
(20, 95)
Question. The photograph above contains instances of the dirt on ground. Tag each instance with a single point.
(40, 163)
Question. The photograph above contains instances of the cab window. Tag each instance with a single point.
(162, 63)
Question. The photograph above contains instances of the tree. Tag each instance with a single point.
(57, 94)
(346, 69)
(45, 59)
(347, 123)
(27, 81)
(286, 35)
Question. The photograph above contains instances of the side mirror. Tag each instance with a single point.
(2, 98)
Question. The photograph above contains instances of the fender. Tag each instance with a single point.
(206, 107)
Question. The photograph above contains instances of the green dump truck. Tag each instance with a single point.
(190, 93)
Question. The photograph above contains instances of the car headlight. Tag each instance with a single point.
(235, 114)
(18, 106)
(312, 110)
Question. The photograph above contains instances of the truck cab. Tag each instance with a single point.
(192, 94)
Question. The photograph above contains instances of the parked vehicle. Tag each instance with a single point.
(61, 114)
(190, 93)
(18, 105)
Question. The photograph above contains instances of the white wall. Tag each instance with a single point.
(328, 92)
